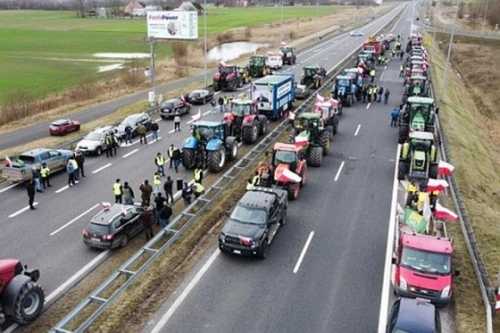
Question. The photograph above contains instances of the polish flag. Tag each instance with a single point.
(444, 214)
(319, 98)
(197, 116)
(436, 185)
(283, 174)
(497, 305)
(334, 103)
(8, 162)
(445, 169)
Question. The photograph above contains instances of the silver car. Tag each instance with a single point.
(93, 143)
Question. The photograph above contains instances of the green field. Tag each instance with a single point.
(45, 51)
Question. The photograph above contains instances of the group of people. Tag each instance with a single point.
(372, 93)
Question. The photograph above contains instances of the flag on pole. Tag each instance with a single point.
(445, 169)
(444, 214)
(436, 185)
(302, 139)
(283, 174)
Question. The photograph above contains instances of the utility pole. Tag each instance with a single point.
(450, 45)
(205, 51)
(152, 68)
(282, 22)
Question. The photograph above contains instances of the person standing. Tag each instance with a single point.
(30, 188)
(395, 117)
(155, 128)
(168, 187)
(159, 203)
(108, 140)
(170, 155)
(386, 95)
(177, 155)
(221, 104)
(146, 191)
(80, 160)
(141, 131)
(35, 175)
(186, 194)
(45, 174)
(372, 75)
(380, 94)
(114, 143)
(118, 191)
(147, 222)
(198, 175)
(177, 123)
(364, 92)
(128, 134)
(156, 183)
(164, 216)
(160, 164)
(198, 189)
(128, 194)
(75, 169)
(70, 169)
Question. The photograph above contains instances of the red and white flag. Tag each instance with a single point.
(445, 169)
(436, 185)
(444, 214)
(319, 98)
(8, 162)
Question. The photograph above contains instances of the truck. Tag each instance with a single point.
(19, 168)
(274, 95)
(374, 45)
(345, 89)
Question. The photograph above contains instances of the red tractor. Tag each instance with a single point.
(290, 168)
(374, 45)
(227, 78)
(244, 122)
(21, 298)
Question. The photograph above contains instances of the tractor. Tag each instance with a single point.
(209, 145)
(417, 86)
(310, 132)
(418, 115)
(244, 122)
(227, 78)
(418, 157)
(313, 76)
(345, 89)
(257, 66)
(288, 54)
(290, 168)
(21, 298)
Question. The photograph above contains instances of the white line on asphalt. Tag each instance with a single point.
(22, 210)
(64, 188)
(102, 168)
(207, 112)
(337, 175)
(74, 220)
(157, 120)
(166, 317)
(386, 282)
(357, 130)
(303, 253)
(171, 131)
(368, 106)
(155, 140)
(190, 121)
(8, 187)
(130, 153)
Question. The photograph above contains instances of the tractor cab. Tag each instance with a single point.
(423, 152)
(204, 131)
(288, 55)
(227, 77)
(240, 110)
(290, 166)
(418, 115)
(345, 89)
(417, 86)
(313, 76)
(257, 66)
(288, 154)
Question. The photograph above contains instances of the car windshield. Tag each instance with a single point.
(204, 131)
(168, 105)
(248, 215)
(241, 109)
(195, 94)
(26, 159)
(398, 330)
(99, 229)
(286, 157)
(94, 136)
(310, 71)
(425, 261)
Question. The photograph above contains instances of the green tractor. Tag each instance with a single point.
(313, 76)
(257, 66)
(418, 157)
(417, 86)
(311, 132)
(418, 115)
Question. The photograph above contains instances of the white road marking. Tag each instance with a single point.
(155, 140)
(207, 112)
(337, 175)
(74, 220)
(303, 253)
(157, 120)
(102, 168)
(64, 188)
(190, 121)
(22, 210)
(166, 317)
(8, 187)
(357, 130)
(130, 153)
(368, 106)
(171, 131)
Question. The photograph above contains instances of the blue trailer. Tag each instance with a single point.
(274, 94)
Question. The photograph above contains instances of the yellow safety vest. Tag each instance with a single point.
(45, 172)
(421, 200)
(117, 189)
(160, 160)
(411, 188)
(197, 175)
(157, 180)
(198, 188)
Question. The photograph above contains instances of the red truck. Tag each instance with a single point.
(373, 45)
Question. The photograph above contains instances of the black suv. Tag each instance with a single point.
(254, 222)
(133, 121)
(173, 107)
(113, 226)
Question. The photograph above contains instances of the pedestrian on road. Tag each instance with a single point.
(141, 131)
(221, 104)
(108, 140)
(118, 191)
(114, 143)
(160, 164)
(36, 176)
(70, 169)
(45, 174)
(401, 54)
(198, 175)
(177, 159)
(76, 172)
(177, 123)
(186, 194)
(168, 188)
(156, 183)
(372, 75)
(30, 188)
(146, 191)
(380, 93)
(386, 95)
(128, 135)
(364, 92)
(395, 117)
(198, 189)
(155, 128)
(160, 202)
(147, 222)
(80, 160)
(164, 216)
(170, 155)
(128, 194)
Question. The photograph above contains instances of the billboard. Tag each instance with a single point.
(173, 24)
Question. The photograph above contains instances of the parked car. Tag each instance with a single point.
(64, 126)
(93, 143)
(356, 33)
(175, 106)
(199, 96)
(410, 315)
(302, 91)
(134, 120)
(113, 226)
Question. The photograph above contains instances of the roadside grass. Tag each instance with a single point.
(473, 153)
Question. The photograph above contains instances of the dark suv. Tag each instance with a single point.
(415, 316)
(175, 106)
(254, 222)
(113, 226)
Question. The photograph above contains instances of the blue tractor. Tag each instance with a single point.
(345, 89)
(209, 146)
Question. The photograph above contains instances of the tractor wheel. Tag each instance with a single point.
(402, 169)
(188, 158)
(315, 156)
(324, 140)
(250, 134)
(433, 170)
(216, 160)
(29, 303)
(264, 127)
(232, 148)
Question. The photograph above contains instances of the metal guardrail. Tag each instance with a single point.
(125, 275)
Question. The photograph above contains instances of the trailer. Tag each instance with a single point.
(274, 95)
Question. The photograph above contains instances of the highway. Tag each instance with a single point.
(324, 270)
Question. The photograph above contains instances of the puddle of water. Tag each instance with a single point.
(108, 68)
(112, 55)
(230, 51)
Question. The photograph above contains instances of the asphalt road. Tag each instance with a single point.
(49, 238)
(324, 270)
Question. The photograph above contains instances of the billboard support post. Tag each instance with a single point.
(152, 66)
(205, 51)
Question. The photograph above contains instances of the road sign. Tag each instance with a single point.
(173, 24)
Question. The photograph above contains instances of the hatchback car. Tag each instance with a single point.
(93, 143)
(64, 126)
(410, 315)
(113, 226)
(134, 120)
(200, 96)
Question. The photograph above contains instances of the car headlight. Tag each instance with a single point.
(403, 285)
(446, 291)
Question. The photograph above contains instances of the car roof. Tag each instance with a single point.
(258, 199)
(418, 77)
(420, 135)
(420, 100)
(312, 67)
(416, 315)
(427, 243)
(135, 115)
(103, 129)
(35, 152)
(172, 100)
(60, 121)
(199, 91)
(207, 123)
(106, 214)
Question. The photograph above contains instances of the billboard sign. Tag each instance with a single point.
(173, 24)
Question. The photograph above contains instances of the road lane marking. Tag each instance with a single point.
(337, 175)
(64, 188)
(8, 187)
(75, 219)
(102, 168)
(190, 121)
(207, 112)
(303, 253)
(171, 131)
(22, 210)
(368, 106)
(130, 153)
(166, 317)
(155, 140)
(357, 130)
(157, 120)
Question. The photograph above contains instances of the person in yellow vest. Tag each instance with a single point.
(433, 198)
(411, 190)
(372, 75)
(156, 183)
(45, 174)
(198, 175)
(198, 189)
(422, 196)
(250, 184)
(118, 191)
(160, 164)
